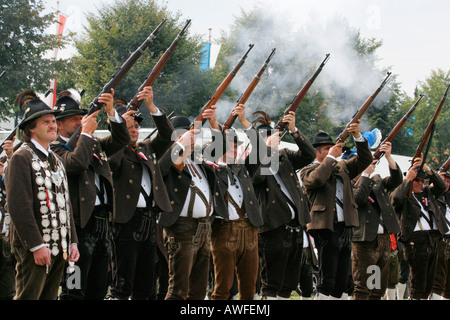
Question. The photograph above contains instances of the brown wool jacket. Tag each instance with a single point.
(319, 179)
(409, 211)
(23, 203)
(90, 157)
(127, 166)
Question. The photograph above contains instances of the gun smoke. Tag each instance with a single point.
(346, 82)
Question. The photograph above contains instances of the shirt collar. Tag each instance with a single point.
(40, 147)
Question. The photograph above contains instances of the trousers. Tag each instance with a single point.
(135, 257)
(334, 255)
(365, 255)
(421, 255)
(95, 247)
(281, 254)
(234, 246)
(188, 247)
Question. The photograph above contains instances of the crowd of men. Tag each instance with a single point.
(120, 218)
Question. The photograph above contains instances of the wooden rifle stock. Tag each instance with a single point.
(358, 115)
(430, 126)
(445, 166)
(244, 97)
(135, 103)
(378, 154)
(301, 94)
(116, 79)
(222, 87)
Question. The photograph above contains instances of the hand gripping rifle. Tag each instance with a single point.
(358, 115)
(244, 97)
(445, 166)
(430, 127)
(222, 87)
(301, 94)
(116, 79)
(379, 154)
(135, 104)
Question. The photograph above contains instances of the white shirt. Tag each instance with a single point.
(422, 220)
(199, 210)
(236, 193)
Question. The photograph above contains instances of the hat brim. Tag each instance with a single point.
(323, 143)
(36, 116)
(63, 114)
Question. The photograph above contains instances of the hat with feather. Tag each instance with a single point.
(69, 103)
(263, 122)
(32, 107)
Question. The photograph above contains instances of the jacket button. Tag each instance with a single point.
(156, 188)
(267, 189)
(130, 181)
(86, 182)
(132, 166)
(217, 194)
(179, 177)
(172, 202)
(175, 190)
(128, 197)
(251, 202)
(273, 202)
(82, 199)
(248, 189)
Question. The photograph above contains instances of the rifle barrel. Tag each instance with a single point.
(358, 115)
(244, 97)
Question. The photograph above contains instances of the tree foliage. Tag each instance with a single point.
(115, 32)
(24, 51)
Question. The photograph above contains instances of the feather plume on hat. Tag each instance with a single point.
(264, 118)
(73, 93)
(23, 97)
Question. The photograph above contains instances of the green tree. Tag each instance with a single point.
(24, 50)
(115, 31)
(433, 88)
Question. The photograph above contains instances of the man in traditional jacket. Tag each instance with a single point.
(422, 225)
(333, 210)
(140, 194)
(194, 194)
(284, 209)
(91, 189)
(42, 228)
(371, 241)
(441, 287)
(234, 238)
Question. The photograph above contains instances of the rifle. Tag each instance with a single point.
(430, 126)
(222, 87)
(296, 102)
(135, 104)
(378, 154)
(116, 79)
(2, 74)
(344, 134)
(445, 166)
(244, 97)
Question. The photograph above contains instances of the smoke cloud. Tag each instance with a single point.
(347, 80)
